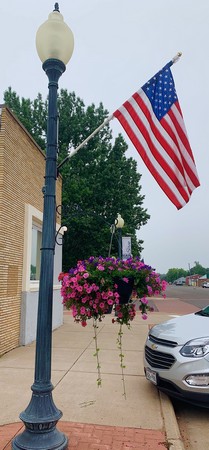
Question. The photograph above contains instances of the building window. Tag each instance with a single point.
(35, 253)
(32, 251)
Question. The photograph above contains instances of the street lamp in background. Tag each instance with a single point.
(54, 43)
(119, 223)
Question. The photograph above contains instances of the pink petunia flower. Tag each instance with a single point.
(110, 301)
(150, 291)
(100, 267)
(144, 316)
(83, 310)
(86, 275)
(110, 294)
(126, 280)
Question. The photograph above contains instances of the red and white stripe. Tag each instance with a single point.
(163, 146)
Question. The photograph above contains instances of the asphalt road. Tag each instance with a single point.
(193, 424)
(196, 296)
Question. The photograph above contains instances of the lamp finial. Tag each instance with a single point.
(56, 7)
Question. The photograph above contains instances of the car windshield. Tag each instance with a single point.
(203, 312)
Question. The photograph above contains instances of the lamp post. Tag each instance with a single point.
(119, 223)
(54, 42)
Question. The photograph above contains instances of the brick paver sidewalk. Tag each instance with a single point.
(96, 437)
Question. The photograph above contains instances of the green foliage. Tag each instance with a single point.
(174, 274)
(198, 269)
(32, 114)
(98, 182)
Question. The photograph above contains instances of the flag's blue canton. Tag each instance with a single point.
(161, 92)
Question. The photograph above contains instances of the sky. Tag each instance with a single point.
(119, 45)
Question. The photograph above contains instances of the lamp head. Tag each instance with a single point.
(54, 39)
(64, 229)
(119, 222)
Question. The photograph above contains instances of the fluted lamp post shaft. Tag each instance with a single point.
(54, 42)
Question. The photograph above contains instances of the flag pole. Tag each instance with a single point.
(73, 151)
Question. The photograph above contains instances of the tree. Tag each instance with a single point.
(98, 182)
(174, 273)
(198, 269)
(32, 114)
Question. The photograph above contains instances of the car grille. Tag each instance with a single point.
(164, 342)
(159, 360)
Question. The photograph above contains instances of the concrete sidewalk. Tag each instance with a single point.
(98, 418)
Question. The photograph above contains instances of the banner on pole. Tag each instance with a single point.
(126, 247)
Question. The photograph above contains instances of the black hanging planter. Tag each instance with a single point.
(124, 289)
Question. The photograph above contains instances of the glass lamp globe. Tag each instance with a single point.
(119, 222)
(54, 39)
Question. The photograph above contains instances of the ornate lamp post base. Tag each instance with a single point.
(54, 439)
(40, 419)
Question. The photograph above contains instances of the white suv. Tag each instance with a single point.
(176, 357)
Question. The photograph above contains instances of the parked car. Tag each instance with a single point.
(205, 285)
(176, 357)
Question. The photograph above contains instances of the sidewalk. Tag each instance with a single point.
(95, 418)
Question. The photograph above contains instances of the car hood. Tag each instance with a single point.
(182, 329)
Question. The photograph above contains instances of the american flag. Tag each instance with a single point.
(153, 120)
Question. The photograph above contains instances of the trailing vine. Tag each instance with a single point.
(96, 354)
(121, 356)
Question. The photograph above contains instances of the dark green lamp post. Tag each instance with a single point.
(54, 42)
(119, 223)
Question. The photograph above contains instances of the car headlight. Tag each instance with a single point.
(196, 348)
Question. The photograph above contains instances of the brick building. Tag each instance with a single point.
(22, 168)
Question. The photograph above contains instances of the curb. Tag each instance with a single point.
(172, 431)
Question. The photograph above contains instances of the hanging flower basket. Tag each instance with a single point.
(95, 286)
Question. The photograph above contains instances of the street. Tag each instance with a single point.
(193, 421)
(197, 296)
(193, 424)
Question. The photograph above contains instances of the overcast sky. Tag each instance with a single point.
(119, 45)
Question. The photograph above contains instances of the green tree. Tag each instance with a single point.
(198, 269)
(32, 114)
(98, 182)
(174, 273)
